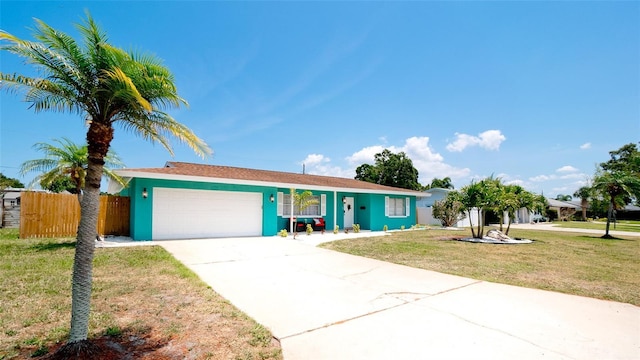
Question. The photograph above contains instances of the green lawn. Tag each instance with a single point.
(139, 293)
(623, 225)
(573, 263)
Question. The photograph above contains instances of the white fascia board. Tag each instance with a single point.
(149, 175)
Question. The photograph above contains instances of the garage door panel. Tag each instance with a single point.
(185, 213)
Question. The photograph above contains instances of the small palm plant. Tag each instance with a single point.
(67, 160)
(301, 201)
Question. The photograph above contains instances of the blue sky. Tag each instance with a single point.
(536, 93)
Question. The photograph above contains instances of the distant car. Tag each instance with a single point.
(538, 218)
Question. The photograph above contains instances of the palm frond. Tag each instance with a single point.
(123, 89)
(159, 126)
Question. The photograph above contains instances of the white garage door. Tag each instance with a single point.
(192, 214)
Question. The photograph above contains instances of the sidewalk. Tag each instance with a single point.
(553, 227)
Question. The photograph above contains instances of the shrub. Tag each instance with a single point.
(356, 228)
(385, 228)
(309, 229)
(336, 229)
(283, 233)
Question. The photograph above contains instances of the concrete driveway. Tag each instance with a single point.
(323, 304)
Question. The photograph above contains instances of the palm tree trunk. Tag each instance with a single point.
(609, 216)
(99, 138)
(473, 230)
(83, 260)
(584, 209)
(79, 193)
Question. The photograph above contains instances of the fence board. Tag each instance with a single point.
(58, 215)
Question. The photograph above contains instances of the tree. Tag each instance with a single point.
(562, 197)
(627, 160)
(444, 183)
(583, 193)
(60, 184)
(618, 180)
(450, 210)
(616, 186)
(300, 202)
(7, 182)
(390, 169)
(480, 196)
(66, 164)
(105, 86)
(512, 198)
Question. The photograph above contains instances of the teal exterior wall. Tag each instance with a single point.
(379, 219)
(369, 209)
(369, 212)
(141, 213)
(283, 221)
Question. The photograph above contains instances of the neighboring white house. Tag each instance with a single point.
(425, 209)
(522, 216)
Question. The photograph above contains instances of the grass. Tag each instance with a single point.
(139, 293)
(572, 263)
(623, 225)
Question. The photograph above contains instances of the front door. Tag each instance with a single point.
(348, 213)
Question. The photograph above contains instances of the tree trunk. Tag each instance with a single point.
(584, 209)
(473, 230)
(79, 194)
(83, 260)
(609, 215)
(99, 138)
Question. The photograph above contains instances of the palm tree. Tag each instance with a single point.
(67, 160)
(106, 86)
(481, 196)
(299, 203)
(444, 183)
(616, 185)
(584, 193)
(562, 197)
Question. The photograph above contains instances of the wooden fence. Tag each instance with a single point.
(58, 215)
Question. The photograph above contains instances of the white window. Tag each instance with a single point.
(311, 210)
(396, 206)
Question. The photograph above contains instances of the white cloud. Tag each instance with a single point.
(315, 159)
(490, 140)
(585, 146)
(318, 164)
(541, 178)
(573, 176)
(515, 182)
(365, 155)
(429, 163)
(566, 168)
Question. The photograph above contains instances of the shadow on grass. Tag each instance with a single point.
(604, 237)
(54, 246)
(127, 343)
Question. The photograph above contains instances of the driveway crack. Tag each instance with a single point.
(502, 332)
(359, 273)
(404, 302)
